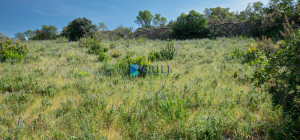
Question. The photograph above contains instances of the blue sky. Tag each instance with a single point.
(21, 15)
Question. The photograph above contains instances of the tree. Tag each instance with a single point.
(2, 36)
(258, 8)
(64, 32)
(192, 25)
(159, 21)
(288, 7)
(102, 26)
(144, 19)
(29, 34)
(219, 15)
(272, 24)
(122, 32)
(79, 28)
(171, 23)
(20, 36)
(46, 33)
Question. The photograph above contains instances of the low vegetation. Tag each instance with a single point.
(63, 91)
(77, 84)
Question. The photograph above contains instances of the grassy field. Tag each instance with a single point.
(60, 91)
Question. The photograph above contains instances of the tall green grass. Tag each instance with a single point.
(60, 91)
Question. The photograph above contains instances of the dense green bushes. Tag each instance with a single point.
(78, 28)
(122, 67)
(46, 33)
(12, 50)
(280, 72)
(192, 25)
(278, 69)
(103, 56)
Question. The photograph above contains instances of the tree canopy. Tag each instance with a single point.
(159, 21)
(144, 19)
(192, 25)
(46, 33)
(79, 28)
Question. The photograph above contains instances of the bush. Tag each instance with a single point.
(266, 46)
(86, 42)
(280, 72)
(97, 48)
(192, 25)
(154, 55)
(94, 46)
(124, 65)
(116, 53)
(103, 56)
(107, 69)
(252, 53)
(10, 50)
(168, 52)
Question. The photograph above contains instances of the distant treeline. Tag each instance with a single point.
(264, 20)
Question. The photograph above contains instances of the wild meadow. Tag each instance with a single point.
(62, 90)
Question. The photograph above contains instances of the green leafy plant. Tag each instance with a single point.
(108, 69)
(94, 46)
(154, 55)
(124, 64)
(11, 50)
(168, 52)
(103, 56)
(252, 53)
(280, 71)
(80, 27)
(116, 53)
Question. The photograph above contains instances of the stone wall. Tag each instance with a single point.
(232, 29)
(154, 33)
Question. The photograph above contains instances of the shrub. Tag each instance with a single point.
(280, 72)
(103, 56)
(86, 42)
(236, 53)
(94, 46)
(116, 53)
(252, 53)
(97, 48)
(141, 39)
(121, 32)
(192, 25)
(10, 50)
(266, 46)
(154, 55)
(107, 69)
(168, 52)
(124, 64)
(129, 54)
